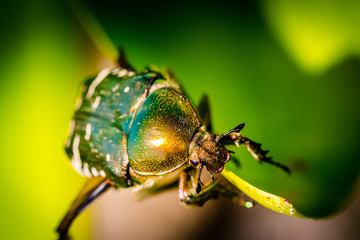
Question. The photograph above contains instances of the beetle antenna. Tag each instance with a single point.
(199, 184)
(235, 129)
(123, 62)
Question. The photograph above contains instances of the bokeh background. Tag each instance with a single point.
(289, 69)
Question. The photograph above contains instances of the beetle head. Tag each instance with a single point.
(206, 148)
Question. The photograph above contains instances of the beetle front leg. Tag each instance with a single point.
(254, 148)
(214, 190)
(93, 188)
(204, 112)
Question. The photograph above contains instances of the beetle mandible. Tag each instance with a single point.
(131, 126)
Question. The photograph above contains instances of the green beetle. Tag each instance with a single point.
(138, 128)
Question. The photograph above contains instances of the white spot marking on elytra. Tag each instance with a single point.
(122, 73)
(115, 71)
(123, 115)
(107, 157)
(71, 131)
(77, 166)
(115, 88)
(78, 103)
(87, 131)
(72, 127)
(126, 89)
(86, 170)
(96, 103)
(94, 172)
(102, 173)
(76, 160)
(103, 74)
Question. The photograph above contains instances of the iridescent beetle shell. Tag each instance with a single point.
(160, 135)
(125, 118)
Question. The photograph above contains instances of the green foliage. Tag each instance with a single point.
(306, 117)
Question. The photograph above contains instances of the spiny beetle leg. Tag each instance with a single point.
(129, 182)
(123, 62)
(92, 189)
(254, 148)
(204, 112)
(214, 190)
(199, 183)
(186, 184)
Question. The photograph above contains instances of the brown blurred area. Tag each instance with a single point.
(117, 216)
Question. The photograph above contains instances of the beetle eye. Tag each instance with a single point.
(194, 163)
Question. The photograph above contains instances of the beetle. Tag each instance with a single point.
(134, 127)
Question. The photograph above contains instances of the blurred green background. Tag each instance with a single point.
(289, 69)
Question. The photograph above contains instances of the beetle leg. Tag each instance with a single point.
(123, 62)
(199, 183)
(127, 175)
(92, 189)
(254, 148)
(204, 112)
(214, 190)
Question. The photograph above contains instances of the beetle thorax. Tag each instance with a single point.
(205, 150)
